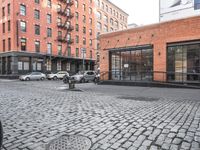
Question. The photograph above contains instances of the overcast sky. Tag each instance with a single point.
(141, 12)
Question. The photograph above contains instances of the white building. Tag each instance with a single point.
(176, 9)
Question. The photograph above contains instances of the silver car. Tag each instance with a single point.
(85, 76)
(33, 76)
(57, 75)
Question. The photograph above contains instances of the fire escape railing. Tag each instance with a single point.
(65, 25)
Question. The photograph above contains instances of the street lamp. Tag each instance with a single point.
(83, 50)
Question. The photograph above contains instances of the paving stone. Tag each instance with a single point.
(174, 147)
(185, 145)
(127, 144)
(147, 143)
(177, 141)
(153, 147)
(166, 146)
(34, 113)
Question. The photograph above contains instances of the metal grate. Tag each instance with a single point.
(70, 142)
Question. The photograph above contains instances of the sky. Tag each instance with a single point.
(141, 12)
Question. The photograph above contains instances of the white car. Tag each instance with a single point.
(33, 76)
(57, 75)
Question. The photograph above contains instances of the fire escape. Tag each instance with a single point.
(65, 25)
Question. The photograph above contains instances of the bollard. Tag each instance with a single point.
(1, 135)
(71, 84)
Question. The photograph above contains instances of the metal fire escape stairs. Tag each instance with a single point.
(66, 26)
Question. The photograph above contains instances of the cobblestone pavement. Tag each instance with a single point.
(113, 117)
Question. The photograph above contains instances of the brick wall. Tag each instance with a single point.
(158, 35)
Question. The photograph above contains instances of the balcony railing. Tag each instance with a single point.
(65, 26)
(70, 15)
(70, 41)
(68, 2)
(65, 40)
(61, 39)
(59, 11)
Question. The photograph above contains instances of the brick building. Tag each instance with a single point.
(49, 35)
(46, 35)
(108, 18)
(168, 51)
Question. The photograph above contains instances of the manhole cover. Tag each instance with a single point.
(70, 142)
(139, 98)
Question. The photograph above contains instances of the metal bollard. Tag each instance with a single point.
(71, 84)
(1, 135)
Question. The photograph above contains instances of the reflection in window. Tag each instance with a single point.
(23, 44)
(132, 65)
(183, 63)
(22, 10)
(196, 4)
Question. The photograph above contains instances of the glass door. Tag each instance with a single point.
(125, 58)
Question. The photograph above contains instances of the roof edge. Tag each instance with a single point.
(146, 26)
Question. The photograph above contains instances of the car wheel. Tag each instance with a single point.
(95, 80)
(42, 78)
(27, 79)
(55, 78)
(82, 80)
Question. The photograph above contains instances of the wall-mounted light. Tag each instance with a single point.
(159, 53)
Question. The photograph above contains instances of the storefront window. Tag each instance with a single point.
(183, 63)
(196, 4)
(133, 65)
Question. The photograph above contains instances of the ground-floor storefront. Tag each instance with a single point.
(133, 63)
(16, 63)
(165, 52)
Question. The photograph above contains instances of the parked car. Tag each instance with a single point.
(85, 76)
(57, 75)
(33, 76)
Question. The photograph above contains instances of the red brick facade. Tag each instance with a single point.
(74, 57)
(158, 35)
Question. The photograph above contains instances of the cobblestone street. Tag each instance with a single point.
(113, 117)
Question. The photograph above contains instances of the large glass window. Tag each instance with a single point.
(49, 32)
(36, 14)
(133, 65)
(183, 63)
(8, 9)
(23, 44)
(4, 28)
(9, 44)
(49, 3)
(49, 48)
(4, 45)
(37, 29)
(98, 15)
(22, 10)
(77, 16)
(3, 12)
(196, 4)
(23, 26)
(37, 46)
(48, 18)
(37, 1)
(59, 49)
(99, 26)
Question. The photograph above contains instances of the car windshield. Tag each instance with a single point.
(29, 73)
(80, 72)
